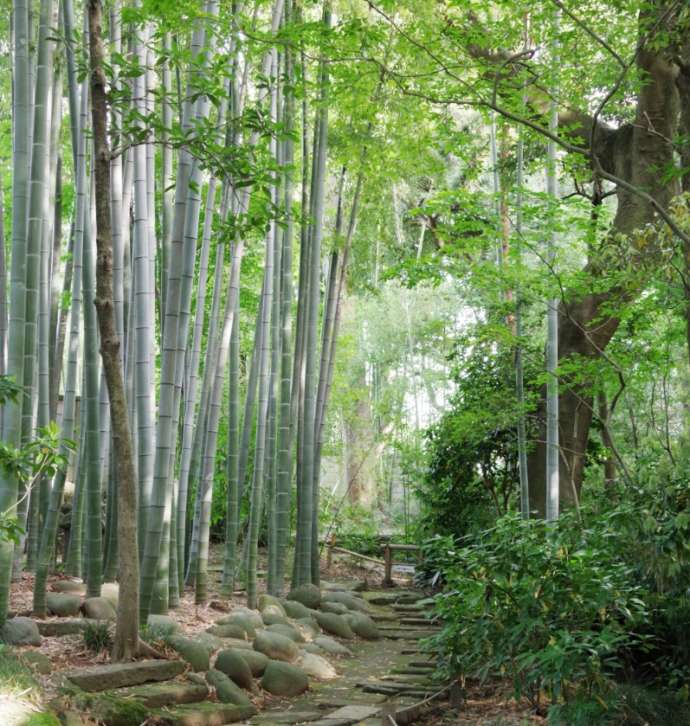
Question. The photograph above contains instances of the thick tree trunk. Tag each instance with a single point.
(634, 153)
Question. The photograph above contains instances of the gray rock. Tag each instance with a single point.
(289, 631)
(266, 600)
(276, 646)
(59, 628)
(308, 595)
(20, 631)
(240, 620)
(335, 625)
(235, 667)
(256, 661)
(211, 642)
(316, 666)
(118, 675)
(334, 607)
(193, 652)
(69, 586)
(351, 601)
(254, 616)
(270, 616)
(163, 624)
(310, 624)
(63, 604)
(363, 626)
(111, 592)
(235, 643)
(98, 608)
(226, 690)
(331, 646)
(313, 648)
(227, 630)
(295, 609)
(283, 679)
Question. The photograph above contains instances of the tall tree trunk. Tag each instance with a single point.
(634, 153)
(126, 632)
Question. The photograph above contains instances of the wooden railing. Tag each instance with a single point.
(388, 550)
(387, 562)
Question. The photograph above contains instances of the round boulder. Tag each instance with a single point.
(313, 648)
(235, 667)
(256, 661)
(363, 626)
(241, 620)
(266, 600)
(226, 690)
(271, 616)
(350, 601)
(228, 630)
(111, 591)
(254, 616)
(335, 625)
(276, 646)
(289, 631)
(331, 646)
(283, 679)
(69, 586)
(295, 609)
(334, 607)
(63, 604)
(99, 608)
(20, 631)
(192, 651)
(315, 666)
(162, 624)
(308, 595)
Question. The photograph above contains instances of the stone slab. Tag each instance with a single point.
(119, 675)
(60, 628)
(205, 714)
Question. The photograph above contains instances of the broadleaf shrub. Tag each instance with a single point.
(552, 606)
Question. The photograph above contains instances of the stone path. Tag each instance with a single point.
(304, 676)
(383, 677)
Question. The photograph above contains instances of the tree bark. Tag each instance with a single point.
(634, 153)
(126, 632)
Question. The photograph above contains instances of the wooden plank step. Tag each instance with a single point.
(409, 671)
(422, 664)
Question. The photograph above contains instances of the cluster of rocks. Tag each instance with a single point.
(283, 644)
(278, 648)
(68, 602)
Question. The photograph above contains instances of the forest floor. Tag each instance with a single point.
(375, 666)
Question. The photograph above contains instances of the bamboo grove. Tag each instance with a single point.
(198, 187)
(187, 146)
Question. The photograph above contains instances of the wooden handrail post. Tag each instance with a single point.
(388, 565)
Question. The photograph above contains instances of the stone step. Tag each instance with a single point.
(393, 688)
(286, 717)
(398, 597)
(348, 715)
(384, 617)
(400, 634)
(424, 622)
(164, 693)
(411, 671)
(119, 675)
(208, 713)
